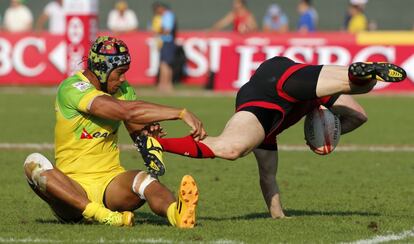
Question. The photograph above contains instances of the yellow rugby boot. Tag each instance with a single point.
(151, 152)
(381, 71)
(119, 219)
(185, 214)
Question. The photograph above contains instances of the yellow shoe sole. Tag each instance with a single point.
(187, 203)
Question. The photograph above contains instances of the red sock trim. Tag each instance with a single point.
(186, 146)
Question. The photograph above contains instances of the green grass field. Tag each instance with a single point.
(343, 197)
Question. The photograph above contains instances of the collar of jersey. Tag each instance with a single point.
(83, 77)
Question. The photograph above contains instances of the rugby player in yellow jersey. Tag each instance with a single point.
(88, 181)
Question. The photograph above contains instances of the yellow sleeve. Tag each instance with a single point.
(87, 99)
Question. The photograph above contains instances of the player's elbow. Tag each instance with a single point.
(354, 122)
(360, 118)
(363, 119)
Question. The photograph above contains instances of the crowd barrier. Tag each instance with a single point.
(40, 58)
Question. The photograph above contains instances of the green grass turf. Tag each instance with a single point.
(341, 197)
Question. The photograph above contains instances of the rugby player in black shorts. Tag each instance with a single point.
(277, 96)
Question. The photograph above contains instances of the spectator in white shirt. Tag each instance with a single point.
(18, 17)
(122, 19)
(53, 12)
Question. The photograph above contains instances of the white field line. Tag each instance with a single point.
(386, 238)
(103, 240)
(287, 148)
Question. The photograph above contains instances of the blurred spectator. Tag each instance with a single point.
(308, 17)
(18, 17)
(358, 21)
(54, 13)
(240, 16)
(275, 20)
(121, 19)
(165, 27)
(361, 3)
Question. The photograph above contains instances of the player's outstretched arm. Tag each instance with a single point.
(141, 112)
(267, 162)
(351, 113)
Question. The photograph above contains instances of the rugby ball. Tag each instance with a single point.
(322, 130)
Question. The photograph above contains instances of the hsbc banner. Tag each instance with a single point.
(32, 59)
(41, 58)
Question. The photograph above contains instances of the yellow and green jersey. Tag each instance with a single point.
(85, 143)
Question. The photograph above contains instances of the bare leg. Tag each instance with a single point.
(64, 195)
(241, 135)
(119, 195)
(334, 80)
(165, 84)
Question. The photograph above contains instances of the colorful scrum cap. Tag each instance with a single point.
(106, 54)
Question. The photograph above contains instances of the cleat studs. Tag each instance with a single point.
(190, 192)
(183, 192)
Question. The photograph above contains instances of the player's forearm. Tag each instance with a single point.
(351, 114)
(144, 113)
(269, 188)
(350, 123)
(271, 194)
(275, 208)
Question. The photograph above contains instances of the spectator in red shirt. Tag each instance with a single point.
(240, 16)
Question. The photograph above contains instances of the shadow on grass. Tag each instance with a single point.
(140, 218)
(293, 213)
(152, 219)
(48, 221)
